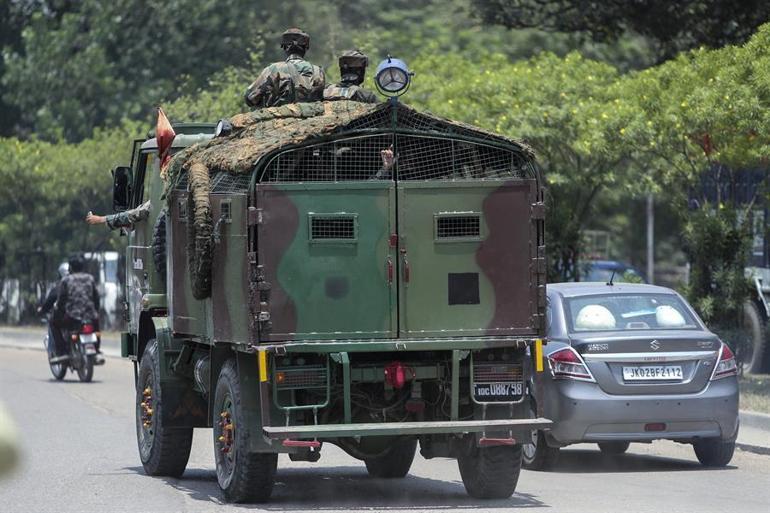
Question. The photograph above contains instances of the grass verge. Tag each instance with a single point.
(755, 392)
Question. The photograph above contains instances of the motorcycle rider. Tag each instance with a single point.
(77, 301)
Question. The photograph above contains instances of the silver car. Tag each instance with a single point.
(633, 363)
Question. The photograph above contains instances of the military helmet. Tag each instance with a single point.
(353, 59)
(295, 37)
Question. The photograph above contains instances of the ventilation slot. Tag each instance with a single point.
(333, 228)
(458, 227)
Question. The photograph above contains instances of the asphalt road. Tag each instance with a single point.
(79, 455)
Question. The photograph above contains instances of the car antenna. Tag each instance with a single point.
(611, 278)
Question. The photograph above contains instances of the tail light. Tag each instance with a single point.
(397, 374)
(87, 329)
(726, 365)
(567, 364)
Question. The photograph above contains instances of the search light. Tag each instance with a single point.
(392, 77)
(224, 128)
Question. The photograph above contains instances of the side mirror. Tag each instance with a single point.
(121, 188)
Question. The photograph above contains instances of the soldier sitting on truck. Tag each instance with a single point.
(352, 71)
(289, 81)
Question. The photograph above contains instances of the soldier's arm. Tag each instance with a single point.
(128, 218)
(258, 90)
(50, 299)
(61, 297)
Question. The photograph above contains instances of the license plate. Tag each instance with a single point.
(489, 392)
(653, 372)
(88, 339)
(89, 349)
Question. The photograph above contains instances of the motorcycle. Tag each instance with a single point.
(82, 356)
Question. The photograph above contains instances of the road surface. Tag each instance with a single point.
(79, 455)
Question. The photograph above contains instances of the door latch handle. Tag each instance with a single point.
(407, 270)
(390, 271)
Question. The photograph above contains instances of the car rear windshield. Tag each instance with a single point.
(621, 312)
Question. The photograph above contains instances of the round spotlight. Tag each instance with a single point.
(223, 129)
(392, 77)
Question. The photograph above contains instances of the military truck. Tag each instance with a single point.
(363, 275)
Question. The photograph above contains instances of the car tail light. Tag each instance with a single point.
(567, 363)
(726, 365)
(87, 329)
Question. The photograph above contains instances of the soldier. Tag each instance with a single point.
(289, 81)
(352, 70)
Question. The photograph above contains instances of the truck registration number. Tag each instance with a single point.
(489, 392)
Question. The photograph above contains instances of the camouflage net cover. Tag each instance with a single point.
(259, 133)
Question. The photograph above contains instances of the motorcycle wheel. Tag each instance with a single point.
(86, 369)
(59, 370)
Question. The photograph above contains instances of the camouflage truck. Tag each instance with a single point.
(295, 286)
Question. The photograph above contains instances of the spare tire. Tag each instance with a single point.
(199, 229)
(159, 245)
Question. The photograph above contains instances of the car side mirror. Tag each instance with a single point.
(121, 188)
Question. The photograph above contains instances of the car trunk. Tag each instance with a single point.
(649, 362)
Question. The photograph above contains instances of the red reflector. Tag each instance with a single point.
(727, 353)
(415, 406)
(301, 443)
(655, 426)
(397, 374)
(87, 329)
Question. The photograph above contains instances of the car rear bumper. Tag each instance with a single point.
(582, 412)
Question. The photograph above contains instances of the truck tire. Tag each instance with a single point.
(242, 476)
(199, 229)
(714, 452)
(163, 451)
(754, 361)
(159, 245)
(538, 455)
(490, 472)
(396, 462)
(613, 447)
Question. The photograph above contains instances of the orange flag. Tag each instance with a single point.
(164, 133)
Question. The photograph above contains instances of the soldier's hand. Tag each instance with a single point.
(94, 219)
(387, 158)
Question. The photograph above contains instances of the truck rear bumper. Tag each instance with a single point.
(403, 428)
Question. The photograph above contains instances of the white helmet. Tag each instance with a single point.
(64, 269)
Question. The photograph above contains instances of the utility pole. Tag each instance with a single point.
(650, 239)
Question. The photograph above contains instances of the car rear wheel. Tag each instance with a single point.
(714, 452)
(613, 447)
(538, 455)
(491, 472)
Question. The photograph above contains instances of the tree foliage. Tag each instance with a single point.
(671, 26)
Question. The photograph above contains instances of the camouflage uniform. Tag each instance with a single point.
(128, 218)
(78, 298)
(290, 81)
(352, 70)
(347, 91)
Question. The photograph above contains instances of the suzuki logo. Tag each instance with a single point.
(655, 345)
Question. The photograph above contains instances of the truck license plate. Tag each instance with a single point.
(653, 372)
(489, 392)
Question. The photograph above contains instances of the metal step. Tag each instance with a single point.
(403, 428)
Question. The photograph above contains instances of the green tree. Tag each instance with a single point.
(671, 26)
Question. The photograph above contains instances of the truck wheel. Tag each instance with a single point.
(753, 357)
(243, 476)
(613, 447)
(491, 472)
(159, 245)
(714, 452)
(538, 455)
(394, 463)
(163, 451)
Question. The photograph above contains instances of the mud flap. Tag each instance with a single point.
(248, 375)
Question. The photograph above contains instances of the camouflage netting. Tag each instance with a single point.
(261, 132)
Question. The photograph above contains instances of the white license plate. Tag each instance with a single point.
(487, 392)
(88, 339)
(653, 372)
(89, 349)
